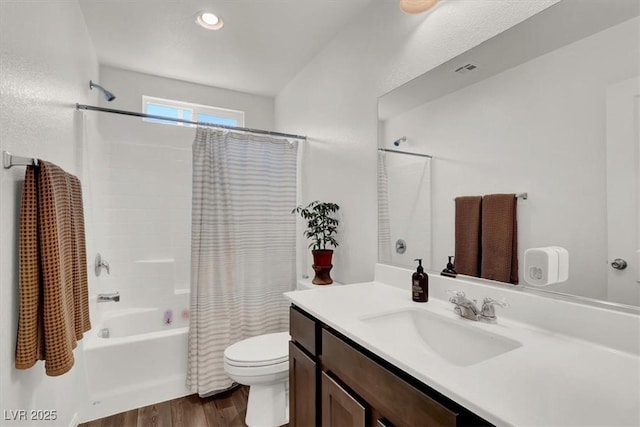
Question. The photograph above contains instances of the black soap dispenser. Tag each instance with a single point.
(450, 271)
(420, 284)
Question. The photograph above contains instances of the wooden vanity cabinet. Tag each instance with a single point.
(350, 386)
(303, 371)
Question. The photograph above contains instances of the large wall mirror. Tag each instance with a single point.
(550, 107)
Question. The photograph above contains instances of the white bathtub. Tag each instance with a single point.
(143, 361)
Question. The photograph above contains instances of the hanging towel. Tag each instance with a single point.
(467, 229)
(499, 238)
(53, 306)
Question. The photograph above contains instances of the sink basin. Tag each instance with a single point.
(459, 343)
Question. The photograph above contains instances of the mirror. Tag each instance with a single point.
(550, 107)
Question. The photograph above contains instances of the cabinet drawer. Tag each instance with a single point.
(302, 330)
(400, 402)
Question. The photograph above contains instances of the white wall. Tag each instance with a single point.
(333, 100)
(47, 60)
(145, 212)
(539, 128)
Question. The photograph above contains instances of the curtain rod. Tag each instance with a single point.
(171, 119)
(388, 150)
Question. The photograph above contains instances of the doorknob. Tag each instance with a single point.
(619, 264)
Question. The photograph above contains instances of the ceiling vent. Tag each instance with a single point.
(466, 68)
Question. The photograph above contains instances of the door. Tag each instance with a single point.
(623, 188)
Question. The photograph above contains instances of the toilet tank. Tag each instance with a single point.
(305, 284)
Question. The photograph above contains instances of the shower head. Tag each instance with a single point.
(109, 96)
(398, 141)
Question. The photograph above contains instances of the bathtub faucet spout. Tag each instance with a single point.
(115, 297)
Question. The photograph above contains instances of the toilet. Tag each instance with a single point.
(262, 363)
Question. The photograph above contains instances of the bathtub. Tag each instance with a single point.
(135, 357)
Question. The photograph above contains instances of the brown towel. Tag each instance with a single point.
(499, 238)
(467, 250)
(54, 306)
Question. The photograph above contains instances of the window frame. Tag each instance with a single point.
(195, 109)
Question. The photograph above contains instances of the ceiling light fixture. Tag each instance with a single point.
(416, 6)
(209, 21)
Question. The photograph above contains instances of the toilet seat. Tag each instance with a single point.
(259, 351)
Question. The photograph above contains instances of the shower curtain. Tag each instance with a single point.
(242, 246)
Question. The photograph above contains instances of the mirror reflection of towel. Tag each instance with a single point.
(54, 307)
(467, 229)
(499, 238)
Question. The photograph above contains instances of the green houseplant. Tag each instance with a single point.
(322, 227)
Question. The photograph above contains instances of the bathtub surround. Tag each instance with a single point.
(150, 269)
(243, 246)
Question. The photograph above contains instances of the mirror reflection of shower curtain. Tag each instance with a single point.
(384, 232)
(242, 248)
(404, 208)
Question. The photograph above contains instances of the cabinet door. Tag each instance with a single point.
(339, 408)
(302, 388)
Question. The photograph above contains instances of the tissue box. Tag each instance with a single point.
(546, 266)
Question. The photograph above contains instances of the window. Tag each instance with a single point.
(192, 112)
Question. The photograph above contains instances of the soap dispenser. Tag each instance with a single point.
(420, 284)
(450, 270)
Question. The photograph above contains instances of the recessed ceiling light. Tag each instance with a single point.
(209, 20)
(416, 6)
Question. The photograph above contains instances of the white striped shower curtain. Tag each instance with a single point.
(242, 246)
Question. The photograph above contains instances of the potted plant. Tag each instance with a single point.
(321, 229)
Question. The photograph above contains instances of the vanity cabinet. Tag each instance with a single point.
(303, 372)
(334, 382)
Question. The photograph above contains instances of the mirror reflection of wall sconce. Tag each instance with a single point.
(414, 7)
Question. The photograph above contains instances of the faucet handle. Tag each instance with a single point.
(488, 312)
(455, 293)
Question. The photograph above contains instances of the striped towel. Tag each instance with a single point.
(54, 306)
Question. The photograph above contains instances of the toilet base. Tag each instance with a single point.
(268, 405)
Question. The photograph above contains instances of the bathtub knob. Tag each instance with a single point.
(100, 264)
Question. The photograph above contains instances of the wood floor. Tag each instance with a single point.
(224, 410)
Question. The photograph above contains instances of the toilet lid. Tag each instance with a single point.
(261, 350)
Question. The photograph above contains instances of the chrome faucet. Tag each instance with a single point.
(464, 306)
(488, 312)
(115, 297)
(469, 310)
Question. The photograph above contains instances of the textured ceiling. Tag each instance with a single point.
(263, 44)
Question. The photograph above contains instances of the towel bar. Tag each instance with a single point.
(9, 160)
(523, 196)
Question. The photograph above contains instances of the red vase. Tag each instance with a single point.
(322, 266)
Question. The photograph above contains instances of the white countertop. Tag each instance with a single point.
(551, 380)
